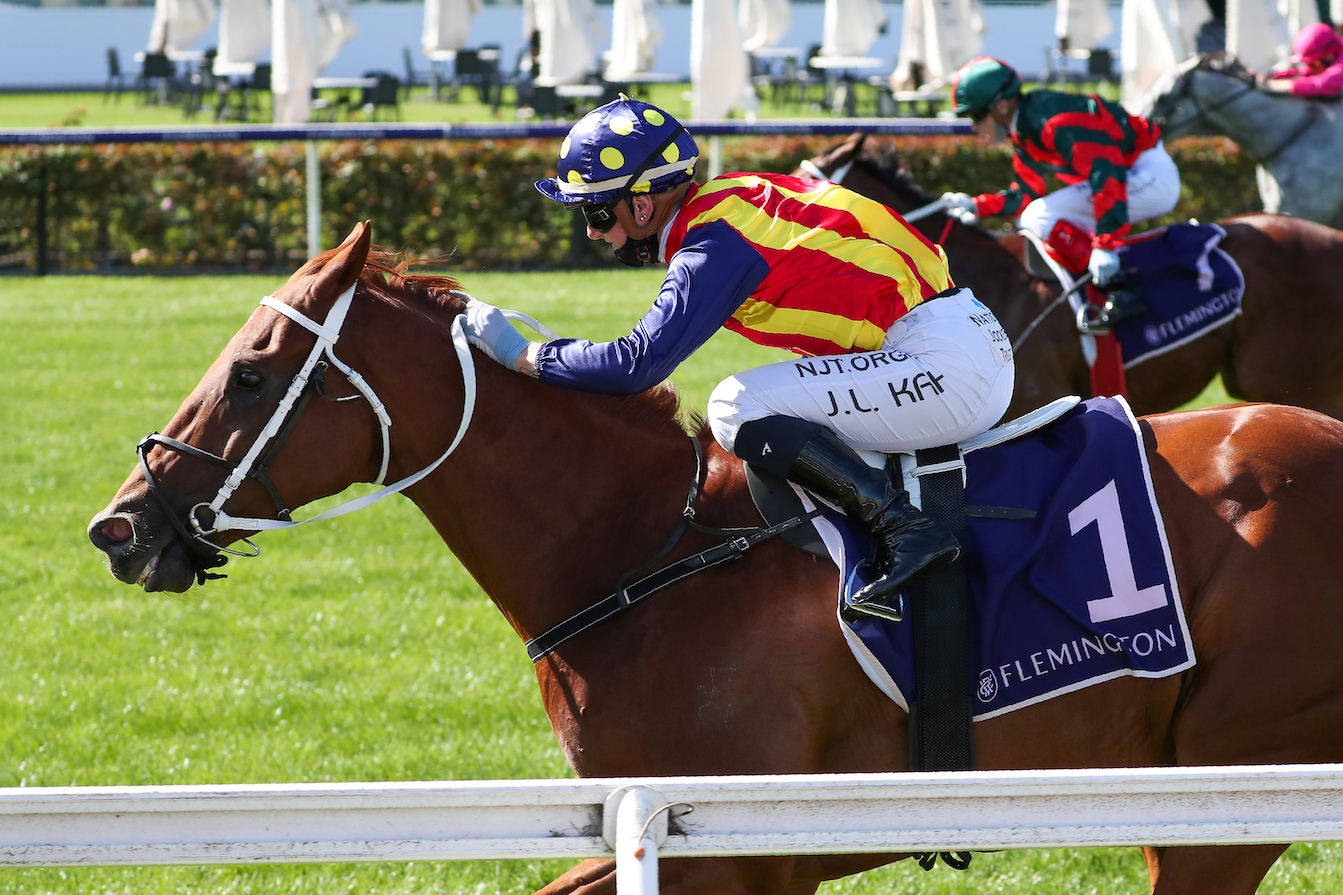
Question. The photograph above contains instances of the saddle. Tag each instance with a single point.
(778, 500)
(939, 605)
(1065, 579)
(1190, 284)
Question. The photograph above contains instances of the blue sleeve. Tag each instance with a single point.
(711, 275)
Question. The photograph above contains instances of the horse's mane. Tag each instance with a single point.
(883, 160)
(1225, 64)
(388, 277)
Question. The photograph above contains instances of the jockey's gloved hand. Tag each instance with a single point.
(961, 206)
(489, 330)
(1104, 266)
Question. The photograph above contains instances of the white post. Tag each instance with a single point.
(314, 178)
(634, 824)
(715, 156)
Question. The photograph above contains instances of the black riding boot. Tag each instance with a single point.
(1124, 301)
(906, 542)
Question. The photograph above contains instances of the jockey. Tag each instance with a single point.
(895, 357)
(1114, 163)
(1318, 72)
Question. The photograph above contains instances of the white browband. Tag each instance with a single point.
(328, 333)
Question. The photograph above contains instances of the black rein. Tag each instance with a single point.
(739, 541)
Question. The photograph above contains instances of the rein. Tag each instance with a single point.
(307, 381)
(1186, 91)
(739, 540)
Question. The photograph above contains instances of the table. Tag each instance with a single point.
(343, 86)
(839, 79)
(343, 83)
(930, 98)
(222, 68)
(578, 91)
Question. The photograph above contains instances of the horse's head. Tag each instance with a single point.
(873, 169)
(277, 384)
(1181, 99)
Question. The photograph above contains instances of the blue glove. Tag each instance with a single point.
(489, 330)
(1104, 265)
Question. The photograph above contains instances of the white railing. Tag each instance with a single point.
(810, 814)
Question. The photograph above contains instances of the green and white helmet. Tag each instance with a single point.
(981, 82)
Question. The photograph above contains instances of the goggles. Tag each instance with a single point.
(601, 216)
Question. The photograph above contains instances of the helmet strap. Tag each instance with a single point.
(643, 243)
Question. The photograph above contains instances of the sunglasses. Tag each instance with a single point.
(600, 216)
(979, 115)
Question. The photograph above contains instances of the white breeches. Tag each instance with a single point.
(1153, 190)
(944, 373)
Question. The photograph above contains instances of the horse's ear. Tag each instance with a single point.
(341, 272)
(855, 141)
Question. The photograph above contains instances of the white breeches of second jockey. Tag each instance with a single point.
(944, 373)
(1153, 190)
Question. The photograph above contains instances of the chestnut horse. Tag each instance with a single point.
(1286, 347)
(550, 496)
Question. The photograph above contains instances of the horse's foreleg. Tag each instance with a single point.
(589, 878)
(690, 876)
(723, 876)
(1209, 869)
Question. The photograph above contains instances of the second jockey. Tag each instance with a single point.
(1316, 71)
(1116, 169)
(895, 358)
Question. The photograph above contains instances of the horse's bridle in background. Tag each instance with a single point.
(1183, 90)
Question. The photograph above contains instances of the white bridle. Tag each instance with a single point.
(328, 333)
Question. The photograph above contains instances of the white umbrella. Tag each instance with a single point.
(1150, 43)
(635, 33)
(307, 36)
(1256, 33)
(719, 71)
(939, 35)
(335, 28)
(447, 24)
(571, 36)
(1299, 14)
(244, 34)
(1083, 23)
(178, 24)
(764, 23)
(851, 26)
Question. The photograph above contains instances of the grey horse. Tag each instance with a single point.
(1294, 142)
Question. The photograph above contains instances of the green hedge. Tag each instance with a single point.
(234, 205)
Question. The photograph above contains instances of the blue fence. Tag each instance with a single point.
(291, 133)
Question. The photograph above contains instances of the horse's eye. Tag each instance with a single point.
(249, 380)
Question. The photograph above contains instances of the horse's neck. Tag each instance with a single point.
(1254, 120)
(552, 495)
(992, 272)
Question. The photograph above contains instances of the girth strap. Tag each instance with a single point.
(941, 737)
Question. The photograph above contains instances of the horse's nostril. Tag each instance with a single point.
(115, 532)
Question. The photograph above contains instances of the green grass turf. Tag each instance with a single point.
(92, 110)
(353, 650)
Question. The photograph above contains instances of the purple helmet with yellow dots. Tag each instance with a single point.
(623, 147)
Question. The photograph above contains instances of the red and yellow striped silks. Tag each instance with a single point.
(842, 267)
